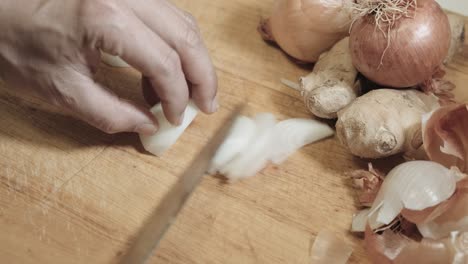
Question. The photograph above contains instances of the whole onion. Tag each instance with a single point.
(304, 29)
(406, 54)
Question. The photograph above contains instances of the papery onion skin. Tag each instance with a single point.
(394, 248)
(304, 29)
(445, 136)
(453, 215)
(418, 46)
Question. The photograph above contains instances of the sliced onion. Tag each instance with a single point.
(293, 134)
(414, 185)
(329, 249)
(242, 133)
(113, 61)
(247, 164)
(445, 136)
(167, 133)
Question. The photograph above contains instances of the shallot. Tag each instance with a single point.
(305, 29)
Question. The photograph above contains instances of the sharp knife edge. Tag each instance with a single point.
(161, 219)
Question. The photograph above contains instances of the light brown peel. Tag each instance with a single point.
(445, 136)
(367, 183)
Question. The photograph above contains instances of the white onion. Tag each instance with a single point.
(247, 164)
(113, 61)
(252, 144)
(414, 185)
(167, 133)
(293, 134)
(242, 132)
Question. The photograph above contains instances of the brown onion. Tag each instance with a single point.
(304, 29)
(415, 46)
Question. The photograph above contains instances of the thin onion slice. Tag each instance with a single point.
(445, 136)
(329, 249)
(242, 132)
(414, 185)
(247, 164)
(252, 144)
(113, 61)
(293, 134)
(167, 133)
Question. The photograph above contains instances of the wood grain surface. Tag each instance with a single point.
(72, 194)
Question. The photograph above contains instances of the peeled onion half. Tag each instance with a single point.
(167, 133)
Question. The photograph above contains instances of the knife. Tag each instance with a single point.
(161, 219)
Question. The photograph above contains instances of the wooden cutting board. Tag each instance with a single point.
(71, 194)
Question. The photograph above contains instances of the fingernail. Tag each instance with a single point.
(181, 119)
(147, 129)
(214, 105)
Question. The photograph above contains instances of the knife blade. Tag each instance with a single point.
(161, 219)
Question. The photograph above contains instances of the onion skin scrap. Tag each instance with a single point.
(304, 29)
(415, 47)
(445, 136)
(384, 122)
(396, 248)
(330, 87)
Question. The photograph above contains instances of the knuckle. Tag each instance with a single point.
(107, 126)
(190, 20)
(170, 63)
(103, 18)
(192, 38)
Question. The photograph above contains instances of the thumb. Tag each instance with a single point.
(99, 107)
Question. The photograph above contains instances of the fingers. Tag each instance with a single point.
(148, 92)
(148, 53)
(180, 31)
(97, 106)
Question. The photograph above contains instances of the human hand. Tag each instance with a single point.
(52, 48)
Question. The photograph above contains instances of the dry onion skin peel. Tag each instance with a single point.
(384, 122)
(414, 185)
(329, 249)
(399, 43)
(330, 87)
(448, 217)
(113, 61)
(304, 29)
(167, 133)
(395, 248)
(445, 136)
(253, 143)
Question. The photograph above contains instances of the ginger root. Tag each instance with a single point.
(384, 122)
(330, 87)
